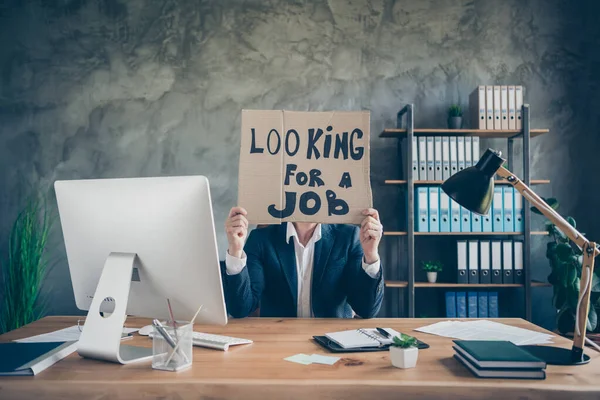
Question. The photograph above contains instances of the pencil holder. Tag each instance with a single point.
(172, 348)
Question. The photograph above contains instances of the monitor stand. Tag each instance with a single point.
(101, 335)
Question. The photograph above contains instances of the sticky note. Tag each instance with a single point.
(300, 359)
(328, 360)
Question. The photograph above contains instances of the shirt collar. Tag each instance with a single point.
(291, 232)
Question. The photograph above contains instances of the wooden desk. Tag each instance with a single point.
(258, 371)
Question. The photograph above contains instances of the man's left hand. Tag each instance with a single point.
(371, 231)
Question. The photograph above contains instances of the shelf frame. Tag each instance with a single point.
(484, 133)
(527, 212)
(405, 130)
(404, 233)
(407, 112)
(496, 182)
(403, 284)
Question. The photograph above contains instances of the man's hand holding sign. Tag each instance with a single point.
(310, 170)
(371, 231)
(236, 228)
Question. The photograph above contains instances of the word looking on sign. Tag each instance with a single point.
(341, 145)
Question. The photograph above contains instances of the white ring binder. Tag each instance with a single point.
(370, 335)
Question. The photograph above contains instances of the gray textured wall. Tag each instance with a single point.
(114, 88)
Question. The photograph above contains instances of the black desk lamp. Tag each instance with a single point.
(473, 189)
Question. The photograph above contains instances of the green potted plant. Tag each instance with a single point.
(565, 260)
(404, 351)
(25, 268)
(432, 268)
(455, 116)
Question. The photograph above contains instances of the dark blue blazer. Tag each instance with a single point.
(270, 281)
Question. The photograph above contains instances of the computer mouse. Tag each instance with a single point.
(145, 330)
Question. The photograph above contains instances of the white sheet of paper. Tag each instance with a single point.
(319, 359)
(486, 330)
(71, 333)
(300, 359)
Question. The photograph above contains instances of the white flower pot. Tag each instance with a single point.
(431, 277)
(404, 358)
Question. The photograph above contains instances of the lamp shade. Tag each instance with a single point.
(473, 187)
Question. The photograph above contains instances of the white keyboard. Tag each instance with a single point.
(216, 341)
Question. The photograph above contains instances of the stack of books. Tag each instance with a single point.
(498, 359)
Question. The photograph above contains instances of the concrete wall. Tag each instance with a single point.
(114, 88)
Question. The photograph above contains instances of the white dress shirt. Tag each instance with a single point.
(305, 256)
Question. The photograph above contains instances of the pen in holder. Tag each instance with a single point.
(172, 345)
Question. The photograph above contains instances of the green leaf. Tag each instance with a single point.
(455, 110)
(404, 341)
(572, 297)
(552, 278)
(26, 267)
(565, 321)
(564, 252)
(552, 202)
(571, 221)
(560, 235)
(576, 284)
(432, 266)
(592, 319)
(550, 249)
(595, 283)
(560, 299)
(571, 276)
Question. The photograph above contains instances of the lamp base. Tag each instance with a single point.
(556, 355)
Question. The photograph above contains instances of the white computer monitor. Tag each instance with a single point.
(131, 245)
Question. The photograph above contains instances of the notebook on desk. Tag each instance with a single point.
(360, 340)
(354, 338)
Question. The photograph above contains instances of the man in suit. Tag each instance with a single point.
(303, 269)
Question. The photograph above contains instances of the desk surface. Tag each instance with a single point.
(258, 371)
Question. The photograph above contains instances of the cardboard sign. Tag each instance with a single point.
(305, 166)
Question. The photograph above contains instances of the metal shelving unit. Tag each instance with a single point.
(405, 131)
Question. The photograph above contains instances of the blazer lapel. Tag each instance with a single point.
(287, 260)
(322, 251)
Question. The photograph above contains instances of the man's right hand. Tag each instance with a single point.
(236, 227)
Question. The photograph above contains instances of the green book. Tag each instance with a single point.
(32, 358)
(502, 373)
(497, 354)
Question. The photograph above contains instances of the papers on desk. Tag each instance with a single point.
(312, 359)
(70, 334)
(486, 330)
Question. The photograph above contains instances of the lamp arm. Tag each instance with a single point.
(546, 210)
(589, 253)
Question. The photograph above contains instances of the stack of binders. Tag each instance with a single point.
(483, 261)
(472, 304)
(496, 107)
(436, 158)
(436, 212)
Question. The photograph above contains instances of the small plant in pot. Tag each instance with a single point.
(404, 351)
(455, 117)
(432, 268)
